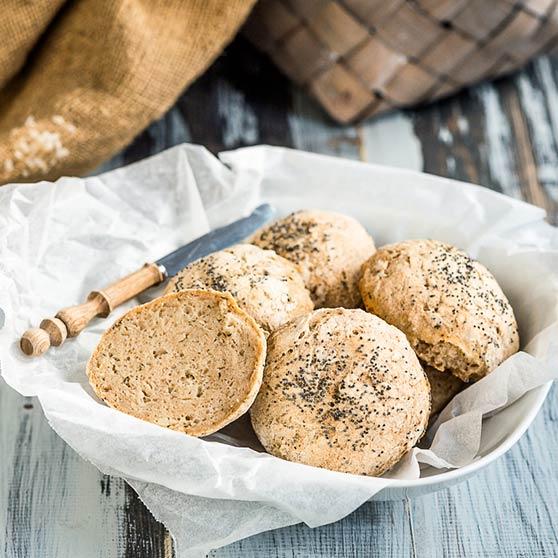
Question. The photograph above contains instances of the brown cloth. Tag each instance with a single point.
(80, 78)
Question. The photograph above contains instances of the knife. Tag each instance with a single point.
(69, 322)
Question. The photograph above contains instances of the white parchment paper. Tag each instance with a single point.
(60, 240)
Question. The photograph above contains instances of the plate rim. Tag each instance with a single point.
(513, 437)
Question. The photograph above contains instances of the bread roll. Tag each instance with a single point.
(329, 248)
(342, 390)
(268, 287)
(451, 308)
(190, 361)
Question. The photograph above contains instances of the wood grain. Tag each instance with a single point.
(52, 503)
(502, 135)
(379, 529)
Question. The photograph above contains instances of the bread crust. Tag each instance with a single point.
(267, 286)
(450, 306)
(342, 390)
(329, 248)
(190, 361)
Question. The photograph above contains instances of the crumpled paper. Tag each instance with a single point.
(60, 240)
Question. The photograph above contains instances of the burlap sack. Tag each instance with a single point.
(80, 78)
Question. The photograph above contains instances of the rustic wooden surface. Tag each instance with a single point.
(502, 135)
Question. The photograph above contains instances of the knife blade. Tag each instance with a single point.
(69, 322)
(214, 240)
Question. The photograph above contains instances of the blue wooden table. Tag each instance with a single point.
(502, 135)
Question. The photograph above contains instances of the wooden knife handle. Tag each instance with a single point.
(70, 321)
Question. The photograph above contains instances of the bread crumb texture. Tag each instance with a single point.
(450, 306)
(342, 390)
(190, 361)
(329, 248)
(265, 285)
(443, 387)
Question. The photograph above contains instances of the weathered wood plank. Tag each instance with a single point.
(377, 529)
(241, 100)
(312, 130)
(538, 98)
(169, 130)
(391, 140)
(531, 189)
(451, 136)
(502, 166)
(142, 534)
(502, 135)
(52, 503)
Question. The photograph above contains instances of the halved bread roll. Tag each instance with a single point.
(190, 361)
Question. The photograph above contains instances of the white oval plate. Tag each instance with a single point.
(395, 204)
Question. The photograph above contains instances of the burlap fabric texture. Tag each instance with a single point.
(80, 78)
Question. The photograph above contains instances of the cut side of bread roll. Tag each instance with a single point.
(190, 361)
(443, 386)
